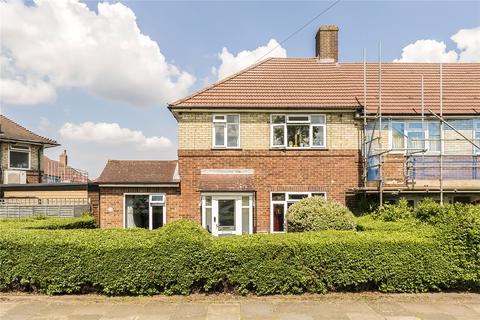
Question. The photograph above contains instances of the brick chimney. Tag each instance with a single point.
(326, 44)
(63, 158)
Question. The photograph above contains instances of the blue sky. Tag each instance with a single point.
(190, 35)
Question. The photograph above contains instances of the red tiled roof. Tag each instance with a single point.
(304, 83)
(53, 169)
(139, 172)
(227, 182)
(11, 130)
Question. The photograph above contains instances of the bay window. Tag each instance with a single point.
(226, 131)
(19, 157)
(281, 201)
(298, 131)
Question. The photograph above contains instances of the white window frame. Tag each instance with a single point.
(12, 147)
(150, 205)
(285, 204)
(405, 136)
(225, 130)
(215, 196)
(300, 122)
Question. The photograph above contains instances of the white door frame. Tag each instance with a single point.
(237, 217)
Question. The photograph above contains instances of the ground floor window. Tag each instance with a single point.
(227, 214)
(144, 211)
(281, 201)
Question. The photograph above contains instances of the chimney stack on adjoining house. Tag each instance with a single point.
(63, 158)
(326, 44)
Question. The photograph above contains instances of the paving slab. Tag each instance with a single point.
(345, 306)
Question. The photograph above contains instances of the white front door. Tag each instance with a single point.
(226, 215)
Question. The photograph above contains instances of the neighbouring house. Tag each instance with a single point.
(285, 129)
(22, 153)
(137, 193)
(31, 183)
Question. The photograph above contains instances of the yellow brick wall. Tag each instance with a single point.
(71, 194)
(195, 131)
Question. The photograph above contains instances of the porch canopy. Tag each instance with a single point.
(227, 181)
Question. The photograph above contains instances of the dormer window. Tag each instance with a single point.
(19, 157)
(226, 131)
(298, 131)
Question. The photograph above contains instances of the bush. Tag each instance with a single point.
(394, 212)
(41, 222)
(428, 209)
(315, 213)
(182, 257)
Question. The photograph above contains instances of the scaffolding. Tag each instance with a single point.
(447, 139)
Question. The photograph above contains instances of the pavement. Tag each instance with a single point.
(348, 306)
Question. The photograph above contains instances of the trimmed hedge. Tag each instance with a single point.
(316, 213)
(84, 222)
(182, 257)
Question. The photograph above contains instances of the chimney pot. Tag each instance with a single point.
(326, 44)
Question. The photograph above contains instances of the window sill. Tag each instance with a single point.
(215, 149)
(20, 169)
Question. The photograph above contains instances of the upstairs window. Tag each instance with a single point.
(298, 131)
(19, 157)
(476, 135)
(226, 131)
(415, 136)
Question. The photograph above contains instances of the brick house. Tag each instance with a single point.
(21, 153)
(135, 194)
(284, 129)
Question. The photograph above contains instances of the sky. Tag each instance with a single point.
(97, 76)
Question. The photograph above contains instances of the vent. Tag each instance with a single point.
(14, 177)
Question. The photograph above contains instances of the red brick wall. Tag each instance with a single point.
(332, 171)
(112, 197)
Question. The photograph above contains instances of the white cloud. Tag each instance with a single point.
(231, 63)
(112, 134)
(55, 44)
(468, 47)
(44, 124)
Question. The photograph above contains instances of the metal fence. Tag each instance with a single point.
(29, 207)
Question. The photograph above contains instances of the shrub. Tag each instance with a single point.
(42, 222)
(315, 213)
(181, 258)
(394, 212)
(427, 209)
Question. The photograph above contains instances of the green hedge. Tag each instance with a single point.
(182, 257)
(84, 222)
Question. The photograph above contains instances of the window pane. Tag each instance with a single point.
(208, 218)
(226, 215)
(416, 140)
(298, 136)
(278, 196)
(245, 201)
(278, 135)
(157, 198)
(233, 118)
(318, 138)
(434, 136)
(137, 208)
(245, 220)
(298, 119)
(278, 119)
(297, 196)
(219, 118)
(157, 217)
(19, 160)
(321, 195)
(398, 135)
(318, 119)
(208, 201)
(219, 135)
(278, 217)
(232, 135)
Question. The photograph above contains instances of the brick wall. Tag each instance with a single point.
(112, 197)
(332, 171)
(195, 130)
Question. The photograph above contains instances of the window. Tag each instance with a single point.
(281, 201)
(19, 157)
(476, 135)
(298, 131)
(226, 131)
(415, 136)
(144, 211)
